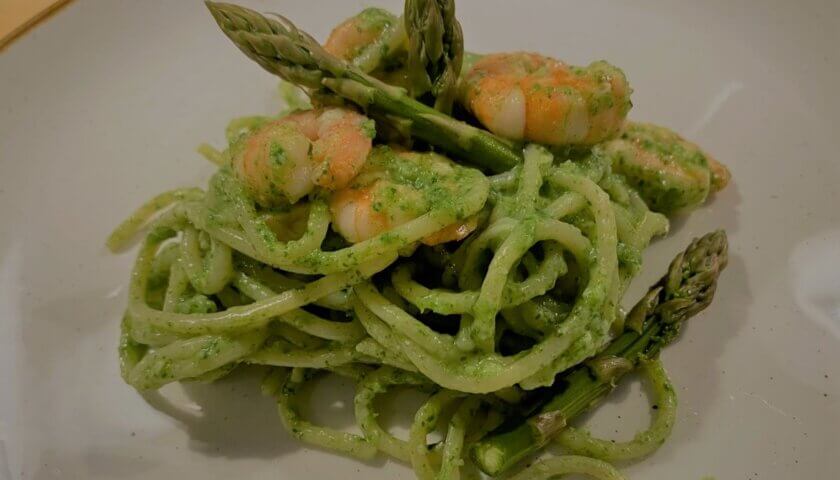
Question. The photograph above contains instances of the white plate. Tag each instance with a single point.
(103, 106)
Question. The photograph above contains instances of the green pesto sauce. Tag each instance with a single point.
(210, 348)
(196, 304)
(544, 313)
(161, 369)
(629, 258)
(369, 128)
(665, 143)
(417, 183)
(276, 154)
(604, 98)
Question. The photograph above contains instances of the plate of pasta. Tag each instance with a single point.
(285, 240)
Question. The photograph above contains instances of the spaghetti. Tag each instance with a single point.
(474, 289)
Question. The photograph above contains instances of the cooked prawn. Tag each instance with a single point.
(289, 157)
(720, 174)
(526, 96)
(367, 39)
(670, 173)
(393, 188)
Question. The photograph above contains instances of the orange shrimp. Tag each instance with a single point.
(526, 96)
(288, 158)
(379, 199)
(354, 36)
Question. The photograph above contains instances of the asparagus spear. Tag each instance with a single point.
(281, 48)
(654, 322)
(435, 50)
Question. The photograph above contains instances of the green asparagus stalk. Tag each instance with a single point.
(435, 50)
(653, 323)
(282, 49)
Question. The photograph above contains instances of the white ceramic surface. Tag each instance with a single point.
(102, 106)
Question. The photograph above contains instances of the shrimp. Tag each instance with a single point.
(526, 96)
(669, 172)
(368, 39)
(396, 187)
(290, 157)
(720, 174)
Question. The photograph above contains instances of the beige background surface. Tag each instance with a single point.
(102, 107)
